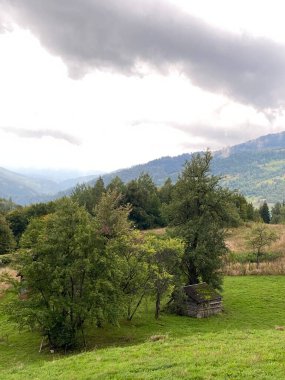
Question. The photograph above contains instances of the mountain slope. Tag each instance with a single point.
(255, 168)
(24, 189)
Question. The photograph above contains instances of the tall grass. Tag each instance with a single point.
(240, 261)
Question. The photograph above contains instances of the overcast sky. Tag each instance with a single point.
(106, 84)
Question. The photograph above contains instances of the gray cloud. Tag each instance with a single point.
(220, 135)
(40, 133)
(217, 136)
(117, 35)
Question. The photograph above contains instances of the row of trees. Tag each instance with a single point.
(275, 216)
(150, 207)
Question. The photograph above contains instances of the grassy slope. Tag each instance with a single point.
(241, 343)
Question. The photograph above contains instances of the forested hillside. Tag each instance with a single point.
(255, 168)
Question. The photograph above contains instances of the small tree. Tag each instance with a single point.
(135, 272)
(261, 237)
(165, 255)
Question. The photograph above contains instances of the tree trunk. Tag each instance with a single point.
(136, 308)
(257, 258)
(157, 305)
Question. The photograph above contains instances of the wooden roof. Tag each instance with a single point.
(202, 293)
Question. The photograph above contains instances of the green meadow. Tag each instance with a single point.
(246, 341)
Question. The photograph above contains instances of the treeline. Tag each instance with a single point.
(149, 207)
(83, 260)
(274, 216)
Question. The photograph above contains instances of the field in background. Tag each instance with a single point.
(240, 260)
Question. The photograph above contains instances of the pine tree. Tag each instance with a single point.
(264, 212)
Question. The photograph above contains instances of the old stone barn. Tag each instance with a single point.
(202, 300)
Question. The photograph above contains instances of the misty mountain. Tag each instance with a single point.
(59, 175)
(256, 168)
(23, 189)
(36, 187)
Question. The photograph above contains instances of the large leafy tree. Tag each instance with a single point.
(69, 274)
(199, 211)
(142, 194)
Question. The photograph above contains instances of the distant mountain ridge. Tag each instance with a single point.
(24, 189)
(256, 168)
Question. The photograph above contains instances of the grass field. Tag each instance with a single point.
(241, 343)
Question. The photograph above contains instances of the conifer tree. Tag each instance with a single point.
(264, 212)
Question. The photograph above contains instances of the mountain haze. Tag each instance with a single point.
(33, 188)
(256, 168)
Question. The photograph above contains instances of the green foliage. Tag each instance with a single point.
(18, 221)
(250, 257)
(259, 238)
(89, 196)
(117, 185)
(165, 192)
(134, 265)
(278, 213)
(112, 218)
(20, 217)
(69, 275)
(7, 205)
(142, 194)
(245, 210)
(165, 256)
(5, 259)
(7, 241)
(199, 211)
(264, 213)
(178, 302)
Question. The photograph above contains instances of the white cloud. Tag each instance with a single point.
(119, 120)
